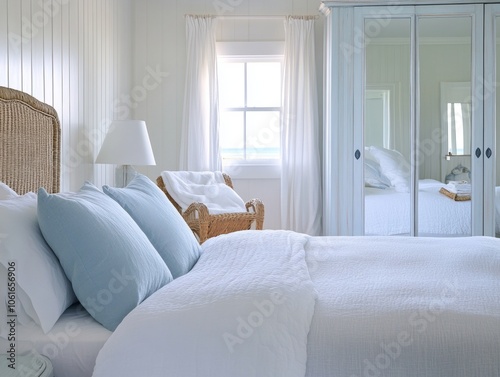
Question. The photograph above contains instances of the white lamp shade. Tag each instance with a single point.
(126, 143)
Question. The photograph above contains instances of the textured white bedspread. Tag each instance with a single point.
(244, 310)
(385, 306)
(417, 307)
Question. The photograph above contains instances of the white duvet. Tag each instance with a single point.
(354, 306)
(244, 310)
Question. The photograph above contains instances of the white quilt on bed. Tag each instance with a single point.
(405, 307)
(244, 310)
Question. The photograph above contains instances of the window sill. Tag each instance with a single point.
(253, 170)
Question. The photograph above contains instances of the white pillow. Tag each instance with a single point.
(6, 192)
(394, 166)
(373, 176)
(43, 290)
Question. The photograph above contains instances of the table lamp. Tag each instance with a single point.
(126, 143)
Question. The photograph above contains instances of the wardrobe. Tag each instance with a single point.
(410, 108)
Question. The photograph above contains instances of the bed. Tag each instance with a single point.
(251, 303)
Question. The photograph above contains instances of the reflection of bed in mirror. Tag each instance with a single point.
(387, 212)
(388, 200)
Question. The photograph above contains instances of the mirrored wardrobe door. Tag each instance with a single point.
(444, 127)
(496, 206)
(492, 121)
(387, 125)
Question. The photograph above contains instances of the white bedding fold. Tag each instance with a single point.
(244, 310)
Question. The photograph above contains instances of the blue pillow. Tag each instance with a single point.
(160, 221)
(110, 262)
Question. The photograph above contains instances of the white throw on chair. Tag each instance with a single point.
(209, 204)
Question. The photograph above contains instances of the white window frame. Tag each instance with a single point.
(247, 52)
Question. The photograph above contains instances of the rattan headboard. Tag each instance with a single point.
(29, 143)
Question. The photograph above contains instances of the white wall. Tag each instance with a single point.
(75, 56)
(159, 35)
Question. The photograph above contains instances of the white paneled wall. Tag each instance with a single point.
(159, 31)
(76, 56)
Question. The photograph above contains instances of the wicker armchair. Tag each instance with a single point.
(204, 225)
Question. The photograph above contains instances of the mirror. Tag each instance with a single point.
(443, 67)
(497, 172)
(386, 125)
(444, 127)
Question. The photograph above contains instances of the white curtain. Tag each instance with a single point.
(300, 179)
(200, 124)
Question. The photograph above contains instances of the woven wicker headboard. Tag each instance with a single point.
(29, 143)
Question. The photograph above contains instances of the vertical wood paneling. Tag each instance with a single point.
(65, 54)
(4, 57)
(37, 58)
(13, 11)
(86, 68)
(68, 127)
(81, 83)
(27, 33)
(48, 69)
(75, 176)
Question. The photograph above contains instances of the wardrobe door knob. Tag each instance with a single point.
(357, 154)
(478, 152)
(488, 152)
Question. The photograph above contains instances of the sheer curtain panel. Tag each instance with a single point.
(200, 125)
(300, 180)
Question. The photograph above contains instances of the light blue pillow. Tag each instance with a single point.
(110, 262)
(160, 221)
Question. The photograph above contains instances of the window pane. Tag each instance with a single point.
(263, 135)
(231, 133)
(264, 84)
(231, 84)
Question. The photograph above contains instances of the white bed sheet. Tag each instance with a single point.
(387, 212)
(72, 345)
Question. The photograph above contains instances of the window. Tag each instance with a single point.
(456, 115)
(250, 104)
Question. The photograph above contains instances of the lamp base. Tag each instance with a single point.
(124, 174)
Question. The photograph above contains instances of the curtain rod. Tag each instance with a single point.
(255, 17)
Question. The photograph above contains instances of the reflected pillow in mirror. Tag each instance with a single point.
(394, 166)
(373, 177)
